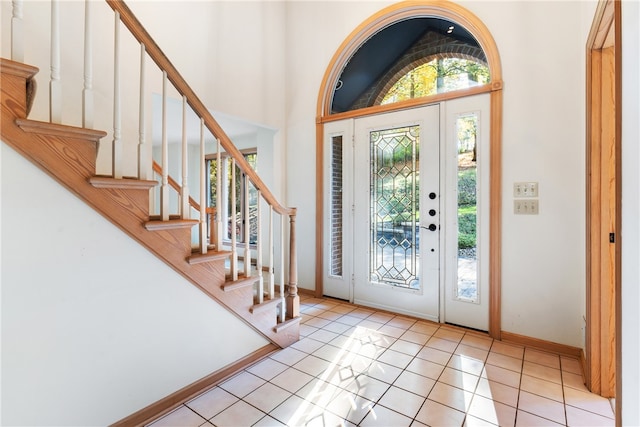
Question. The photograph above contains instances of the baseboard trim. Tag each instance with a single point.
(549, 346)
(169, 403)
(308, 292)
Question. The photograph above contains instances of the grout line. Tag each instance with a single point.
(405, 325)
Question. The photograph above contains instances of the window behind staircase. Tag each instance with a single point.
(226, 210)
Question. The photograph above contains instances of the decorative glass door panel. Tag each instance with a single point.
(396, 212)
(395, 204)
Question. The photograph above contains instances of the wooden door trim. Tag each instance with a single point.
(476, 27)
(603, 213)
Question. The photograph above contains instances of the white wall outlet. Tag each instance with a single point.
(525, 207)
(525, 189)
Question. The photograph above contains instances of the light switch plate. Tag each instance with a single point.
(525, 189)
(525, 207)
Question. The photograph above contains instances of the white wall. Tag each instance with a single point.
(630, 372)
(232, 53)
(94, 327)
(234, 62)
(543, 256)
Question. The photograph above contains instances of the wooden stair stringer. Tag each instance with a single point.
(68, 155)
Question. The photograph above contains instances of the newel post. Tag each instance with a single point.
(293, 300)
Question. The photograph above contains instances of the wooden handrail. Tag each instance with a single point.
(195, 205)
(161, 60)
(174, 184)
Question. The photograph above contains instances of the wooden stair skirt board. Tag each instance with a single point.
(68, 155)
(169, 403)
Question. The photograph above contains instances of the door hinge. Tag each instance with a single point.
(612, 237)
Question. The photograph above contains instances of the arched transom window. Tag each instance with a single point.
(412, 58)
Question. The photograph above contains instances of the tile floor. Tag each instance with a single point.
(359, 367)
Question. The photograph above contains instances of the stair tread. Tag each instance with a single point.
(287, 323)
(256, 308)
(155, 225)
(7, 66)
(231, 285)
(129, 183)
(56, 129)
(211, 255)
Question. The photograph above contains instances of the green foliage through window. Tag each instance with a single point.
(437, 76)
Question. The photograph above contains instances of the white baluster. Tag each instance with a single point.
(203, 192)
(87, 91)
(164, 187)
(117, 158)
(55, 86)
(219, 213)
(282, 296)
(143, 161)
(272, 285)
(17, 34)
(185, 209)
(234, 248)
(259, 250)
(247, 229)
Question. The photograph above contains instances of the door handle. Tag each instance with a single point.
(431, 227)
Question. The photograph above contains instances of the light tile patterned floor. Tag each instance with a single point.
(355, 366)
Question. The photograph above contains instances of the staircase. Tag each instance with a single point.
(68, 154)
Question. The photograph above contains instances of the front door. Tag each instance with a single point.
(396, 212)
(408, 213)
